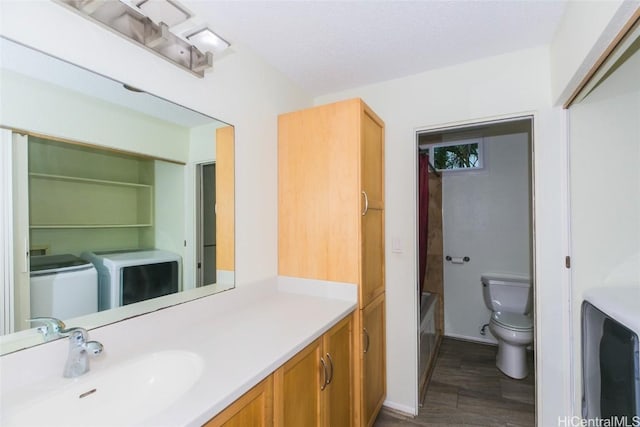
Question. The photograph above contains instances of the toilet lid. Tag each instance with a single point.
(515, 321)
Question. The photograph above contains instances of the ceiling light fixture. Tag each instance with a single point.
(207, 40)
(148, 23)
(166, 11)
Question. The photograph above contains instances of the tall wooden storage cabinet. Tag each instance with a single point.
(331, 223)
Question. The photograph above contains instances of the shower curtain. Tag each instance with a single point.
(423, 217)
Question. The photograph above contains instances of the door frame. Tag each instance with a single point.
(199, 223)
(536, 127)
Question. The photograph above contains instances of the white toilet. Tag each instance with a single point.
(509, 298)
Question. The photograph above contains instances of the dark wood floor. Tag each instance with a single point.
(467, 389)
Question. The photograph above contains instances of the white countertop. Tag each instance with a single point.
(243, 335)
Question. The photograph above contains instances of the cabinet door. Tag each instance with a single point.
(338, 395)
(372, 222)
(254, 408)
(373, 360)
(372, 159)
(225, 198)
(297, 391)
(319, 192)
(372, 281)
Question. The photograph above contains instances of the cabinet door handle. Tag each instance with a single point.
(366, 203)
(326, 376)
(330, 364)
(366, 335)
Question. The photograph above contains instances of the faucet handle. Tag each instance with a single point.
(94, 348)
(77, 335)
(52, 328)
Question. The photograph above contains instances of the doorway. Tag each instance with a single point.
(206, 224)
(480, 220)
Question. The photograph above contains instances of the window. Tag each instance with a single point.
(457, 154)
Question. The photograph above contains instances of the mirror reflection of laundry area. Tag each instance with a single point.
(92, 219)
(475, 258)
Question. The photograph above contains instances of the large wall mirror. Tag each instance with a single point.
(115, 202)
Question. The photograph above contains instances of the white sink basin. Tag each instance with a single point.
(124, 395)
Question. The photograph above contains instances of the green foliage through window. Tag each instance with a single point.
(461, 156)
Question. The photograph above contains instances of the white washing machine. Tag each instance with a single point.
(63, 286)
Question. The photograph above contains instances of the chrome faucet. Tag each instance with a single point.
(79, 351)
(51, 327)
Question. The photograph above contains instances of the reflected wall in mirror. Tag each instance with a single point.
(121, 202)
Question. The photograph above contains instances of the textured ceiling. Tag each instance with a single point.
(326, 46)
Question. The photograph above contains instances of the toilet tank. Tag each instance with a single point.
(507, 292)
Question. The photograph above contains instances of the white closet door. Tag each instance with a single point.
(6, 234)
(14, 232)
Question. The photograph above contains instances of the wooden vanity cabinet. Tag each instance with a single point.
(314, 388)
(297, 389)
(337, 408)
(254, 408)
(331, 222)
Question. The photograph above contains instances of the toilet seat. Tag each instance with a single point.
(513, 321)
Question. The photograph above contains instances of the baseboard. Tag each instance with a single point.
(402, 410)
(472, 339)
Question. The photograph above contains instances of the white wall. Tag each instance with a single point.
(507, 85)
(486, 216)
(587, 28)
(605, 188)
(241, 90)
